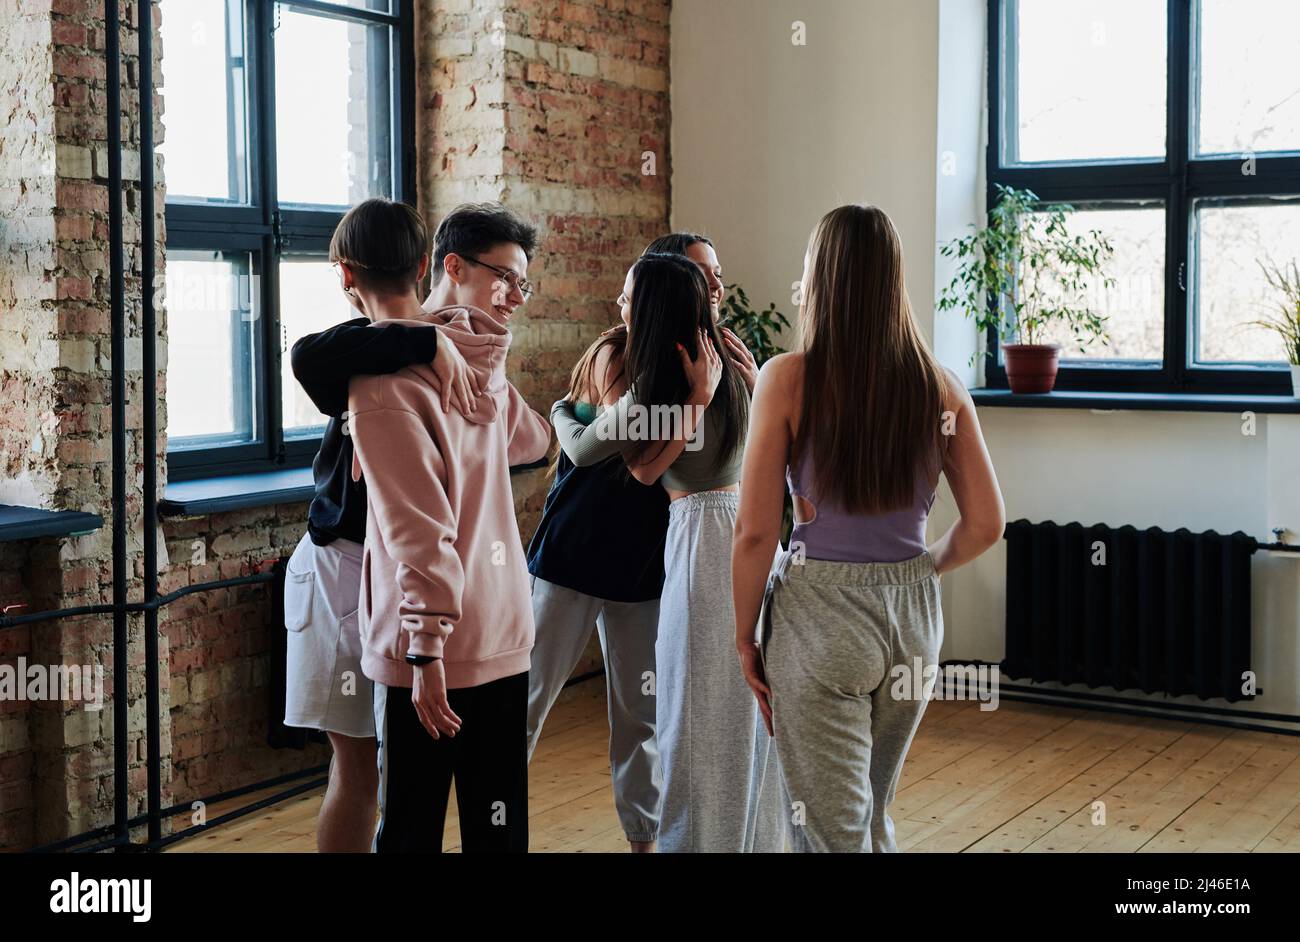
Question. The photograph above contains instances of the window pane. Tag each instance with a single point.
(211, 343)
(204, 119)
(310, 300)
(332, 110)
(1231, 288)
(1089, 82)
(1249, 78)
(1135, 303)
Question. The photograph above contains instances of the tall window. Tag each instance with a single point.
(277, 117)
(1173, 126)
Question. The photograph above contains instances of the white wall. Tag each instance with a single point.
(767, 137)
(885, 104)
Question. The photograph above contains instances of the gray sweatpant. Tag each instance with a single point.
(565, 620)
(721, 785)
(847, 647)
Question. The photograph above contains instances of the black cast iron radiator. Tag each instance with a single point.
(1126, 608)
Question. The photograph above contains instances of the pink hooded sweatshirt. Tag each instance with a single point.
(444, 571)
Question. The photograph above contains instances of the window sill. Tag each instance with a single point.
(29, 523)
(236, 492)
(1150, 402)
(245, 491)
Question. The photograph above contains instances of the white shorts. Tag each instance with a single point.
(324, 686)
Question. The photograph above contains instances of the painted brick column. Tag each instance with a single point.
(55, 357)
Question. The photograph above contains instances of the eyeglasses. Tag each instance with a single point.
(355, 264)
(338, 270)
(511, 278)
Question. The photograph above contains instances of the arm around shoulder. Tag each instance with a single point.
(586, 445)
(324, 362)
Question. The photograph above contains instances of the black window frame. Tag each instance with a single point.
(1178, 182)
(269, 231)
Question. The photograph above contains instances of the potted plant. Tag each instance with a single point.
(754, 328)
(1023, 273)
(1285, 320)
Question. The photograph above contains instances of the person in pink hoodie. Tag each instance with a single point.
(445, 613)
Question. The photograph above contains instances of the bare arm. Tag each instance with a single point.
(974, 485)
(758, 521)
(762, 491)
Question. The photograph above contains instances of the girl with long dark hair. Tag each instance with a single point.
(719, 784)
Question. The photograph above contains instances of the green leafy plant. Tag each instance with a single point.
(1024, 271)
(1285, 319)
(754, 328)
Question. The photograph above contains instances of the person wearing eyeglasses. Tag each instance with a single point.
(480, 259)
(446, 619)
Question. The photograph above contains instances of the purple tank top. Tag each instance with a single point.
(838, 536)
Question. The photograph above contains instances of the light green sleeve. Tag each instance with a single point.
(590, 444)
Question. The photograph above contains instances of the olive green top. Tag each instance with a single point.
(627, 421)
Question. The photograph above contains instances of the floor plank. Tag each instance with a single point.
(1026, 777)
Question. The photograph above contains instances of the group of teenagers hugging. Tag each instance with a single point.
(751, 696)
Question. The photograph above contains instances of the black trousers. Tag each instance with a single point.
(488, 759)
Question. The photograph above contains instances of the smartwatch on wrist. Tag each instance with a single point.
(419, 660)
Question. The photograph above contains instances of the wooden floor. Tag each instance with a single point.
(1024, 777)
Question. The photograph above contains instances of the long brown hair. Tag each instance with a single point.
(583, 382)
(873, 394)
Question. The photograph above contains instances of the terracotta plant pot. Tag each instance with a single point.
(1031, 367)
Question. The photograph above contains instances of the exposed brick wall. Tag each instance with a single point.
(218, 644)
(55, 356)
(26, 390)
(17, 758)
(28, 284)
(547, 106)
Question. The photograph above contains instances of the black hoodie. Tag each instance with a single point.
(323, 364)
